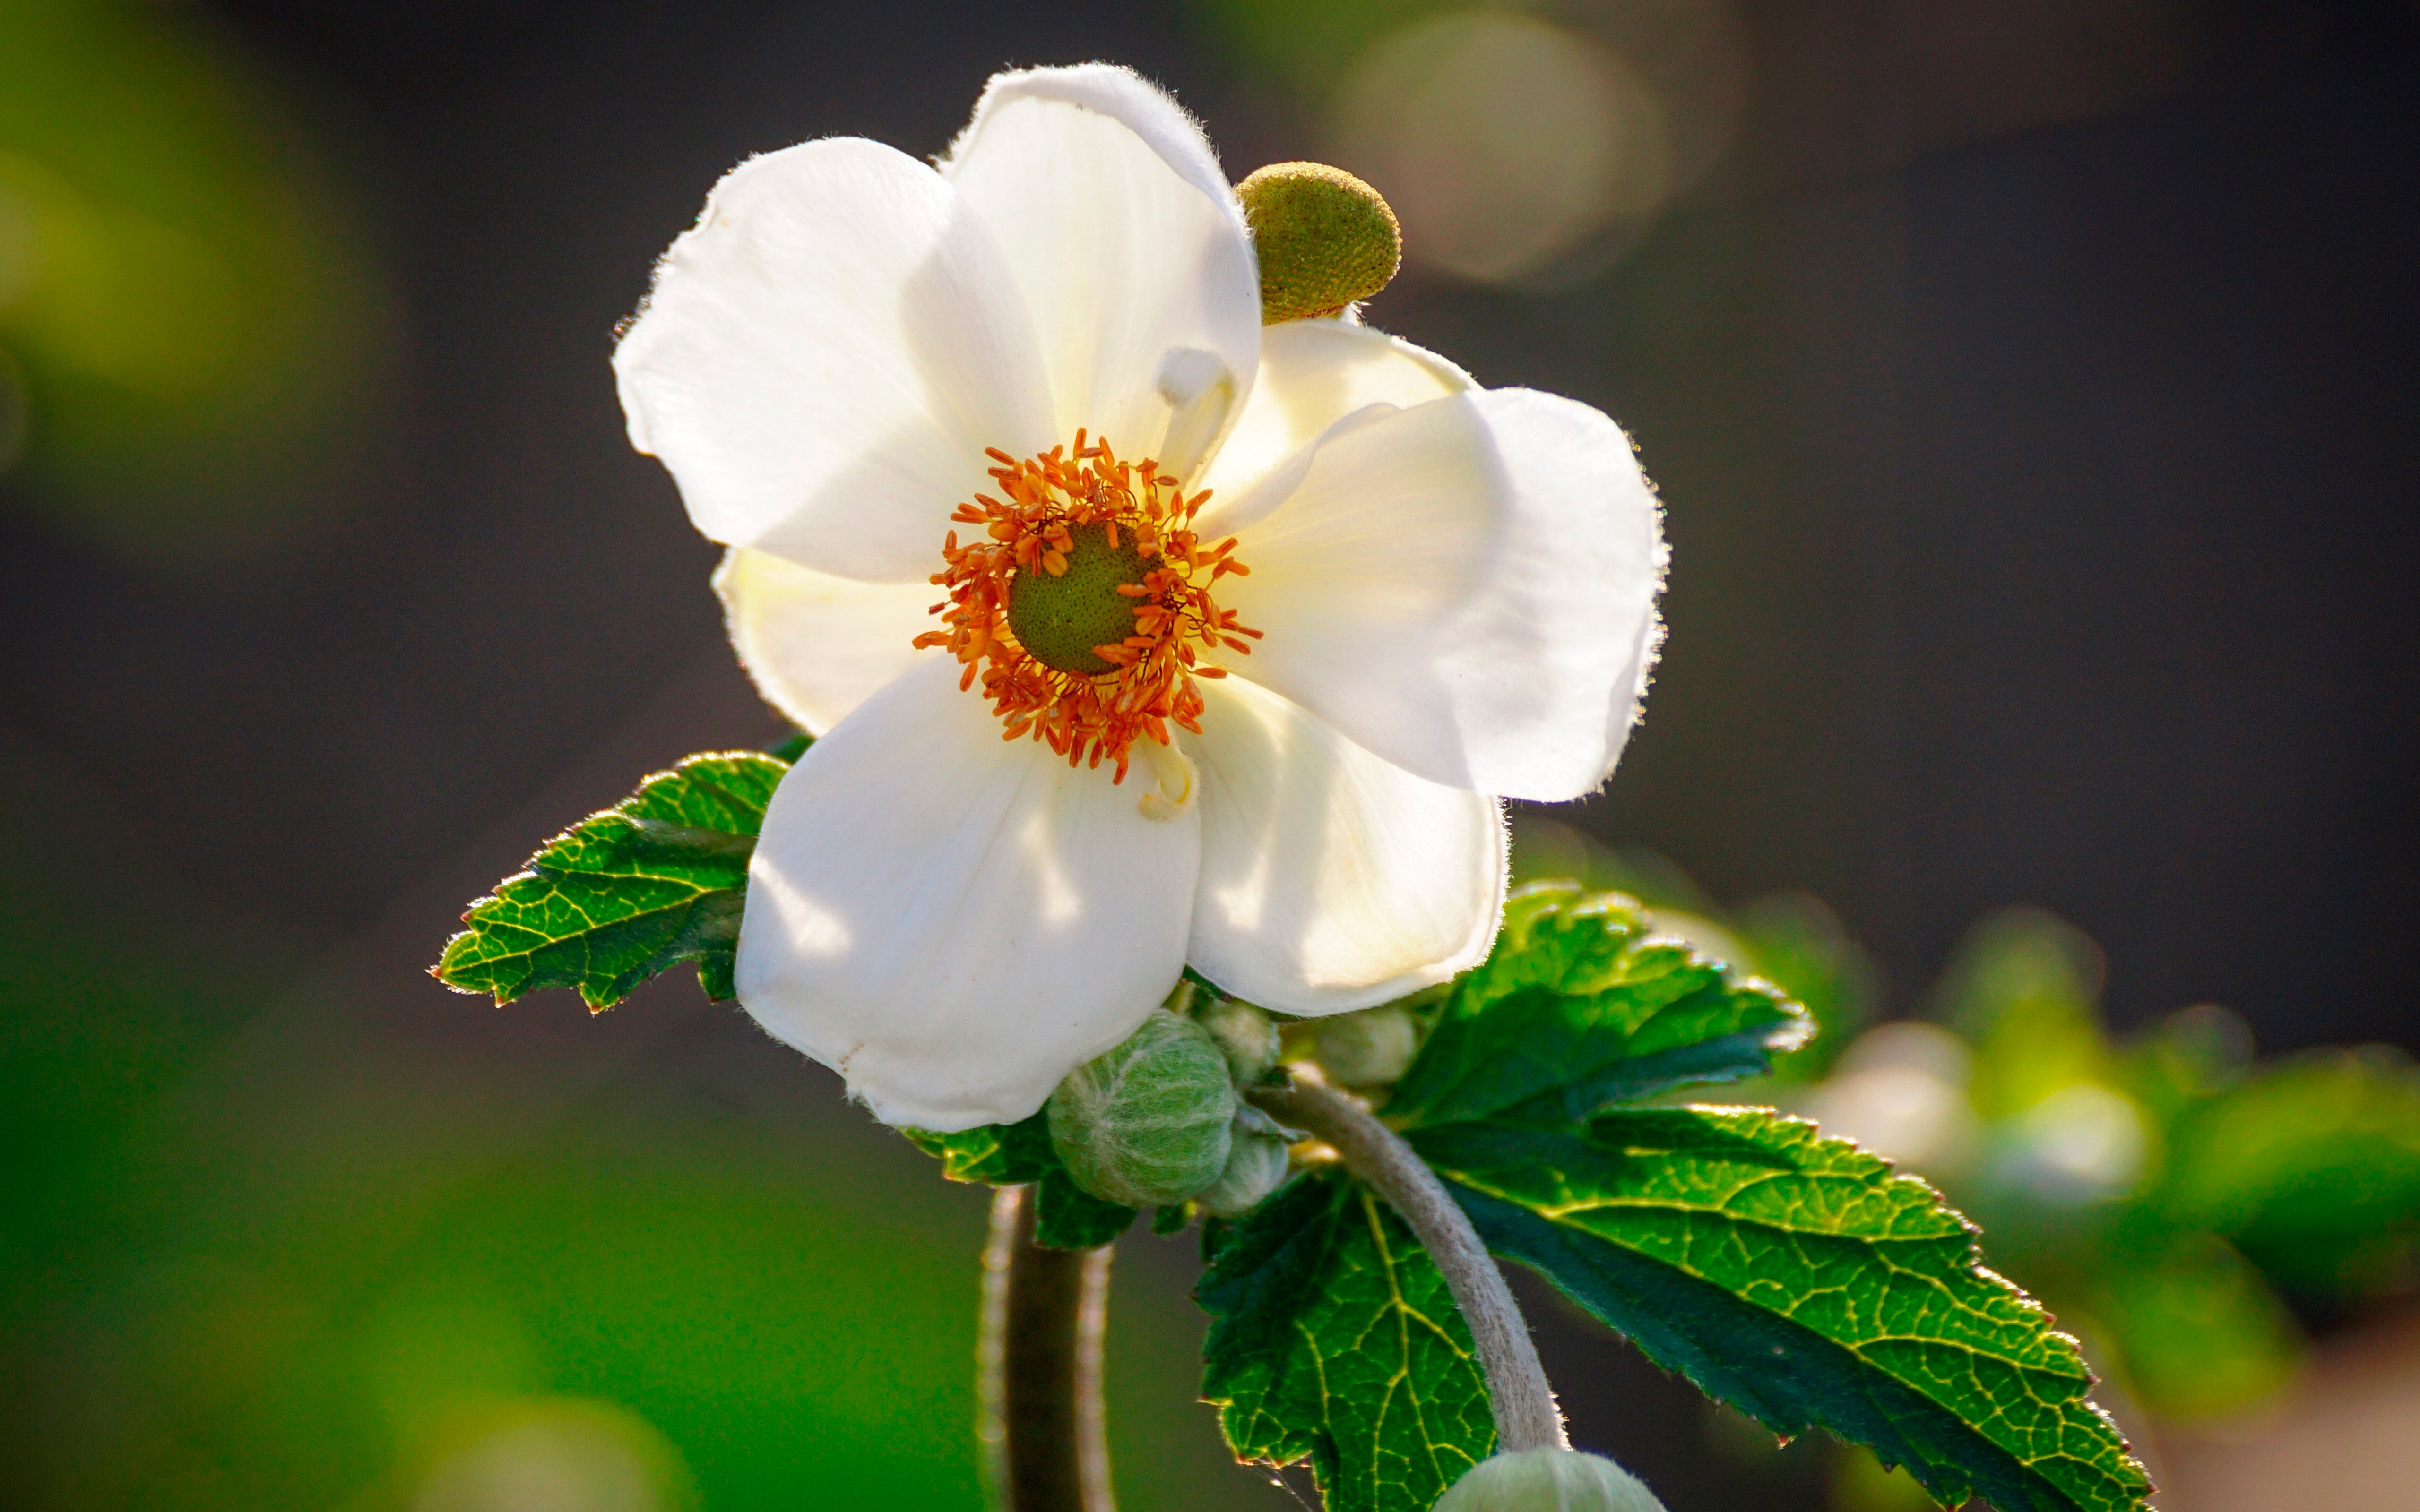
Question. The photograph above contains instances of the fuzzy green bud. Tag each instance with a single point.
(1366, 1049)
(1247, 1036)
(1549, 1480)
(1324, 238)
(1152, 1121)
(1256, 1165)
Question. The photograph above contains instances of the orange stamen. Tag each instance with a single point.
(1088, 719)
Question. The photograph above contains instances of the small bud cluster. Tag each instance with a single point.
(1161, 1119)
(1151, 1121)
(1158, 1120)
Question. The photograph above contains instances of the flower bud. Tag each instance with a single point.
(1247, 1036)
(1366, 1049)
(1324, 238)
(1151, 1121)
(1256, 1165)
(1549, 1480)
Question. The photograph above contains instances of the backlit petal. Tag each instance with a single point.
(1131, 250)
(1331, 879)
(1314, 372)
(1467, 589)
(953, 921)
(826, 355)
(820, 645)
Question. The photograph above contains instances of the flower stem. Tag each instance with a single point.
(1042, 1319)
(1526, 1414)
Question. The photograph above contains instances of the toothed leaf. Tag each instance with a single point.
(1581, 1006)
(1333, 1340)
(1803, 1282)
(627, 893)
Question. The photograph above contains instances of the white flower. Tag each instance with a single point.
(1436, 595)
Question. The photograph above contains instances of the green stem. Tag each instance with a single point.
(1526, 1414)
(1045, 1312)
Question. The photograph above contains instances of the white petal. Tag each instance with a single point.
(1129, 246)
(826, 355)
(1314, 372)
(820, 645)
(1467, 589)
(953, 921)
(1330, 879)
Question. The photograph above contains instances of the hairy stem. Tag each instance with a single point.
(1526, 1414)
(1040, 1357)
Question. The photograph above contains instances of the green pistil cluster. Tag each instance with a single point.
(1060, 619)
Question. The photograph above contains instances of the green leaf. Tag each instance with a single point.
(626, 894)
(1069, 1217)
(1065, 1216)
(1800, 1280)
(1578, 1007)
(996, 1154)
(1333, 1338)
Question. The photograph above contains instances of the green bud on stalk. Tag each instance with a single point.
(1256, 1165)
(1549, 1480)
(1247, 1036)
(1324, 238)
(1366, 1049)
(1151, 1121)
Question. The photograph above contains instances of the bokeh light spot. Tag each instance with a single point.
(1503, 141)
(559, 1456)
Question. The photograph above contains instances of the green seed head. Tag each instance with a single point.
(1059, 619)
(1151, 1121)
(1324, 238)
(1549, 1480)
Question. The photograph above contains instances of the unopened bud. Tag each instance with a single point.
(1366, 1049)
(1324, 238)
(1256, 1165)
(1549, 1480)
(1247, 1036)
(1152, 1121)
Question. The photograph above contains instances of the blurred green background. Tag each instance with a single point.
(2029, 383)
(277, 1238)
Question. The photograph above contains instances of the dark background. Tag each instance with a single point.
(2041, 479)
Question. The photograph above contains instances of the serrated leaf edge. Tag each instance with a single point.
(537, 870)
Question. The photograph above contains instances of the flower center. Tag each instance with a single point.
(1059, 619)
(1086, 607)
